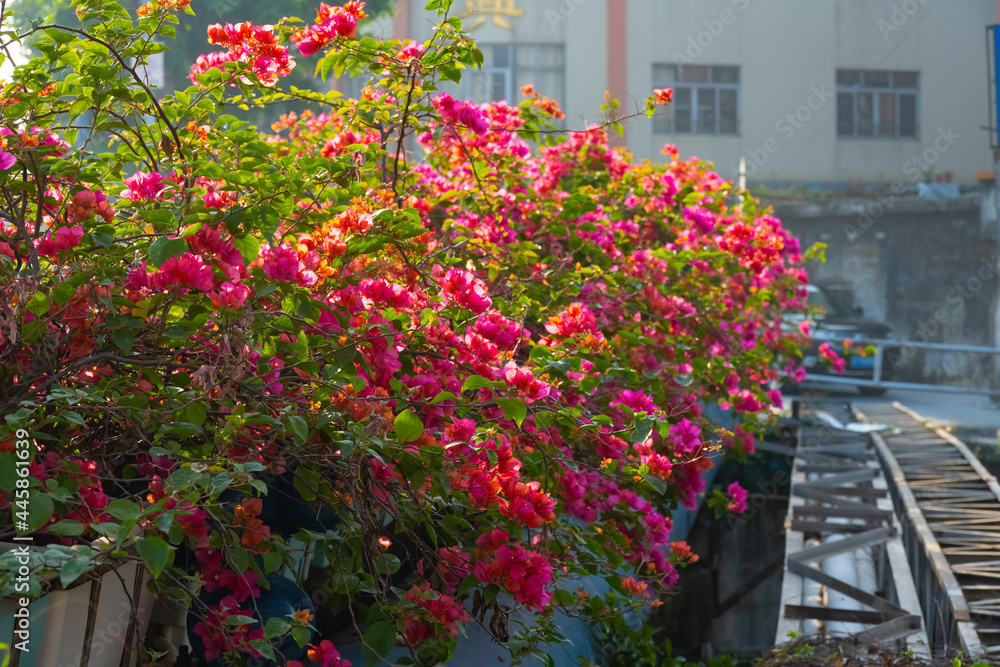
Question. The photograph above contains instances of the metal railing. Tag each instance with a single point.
(881, 344)
(949, 506)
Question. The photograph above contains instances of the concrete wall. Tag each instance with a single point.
(927, 269)
(788, 52)
(581, 28)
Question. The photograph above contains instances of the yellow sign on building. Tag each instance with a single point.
(500, 10)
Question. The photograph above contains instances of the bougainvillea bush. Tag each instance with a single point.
(463, 355)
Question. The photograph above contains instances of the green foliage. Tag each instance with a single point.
(626, 641)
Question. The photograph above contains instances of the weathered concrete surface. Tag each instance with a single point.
(928, 269)
(733, 551)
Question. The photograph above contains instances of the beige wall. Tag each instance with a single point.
(578, 25)
(788, 52)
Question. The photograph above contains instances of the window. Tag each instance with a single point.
(706, 99)
(509, 67)
(872, 103)
(506, 69)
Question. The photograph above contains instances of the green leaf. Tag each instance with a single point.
(299, 428)
(195, 413)
(267, 221)
(180, 429)
(381, 637)
(240, 619)
(155, 552)
(40, 509)
(264, 648)
(66, 527)
(307, 494)
(476, 382)
(163, 249)
(301, 635)
(62, 293)
(124, 339)
(450, 71)
(160, 216)
(39, 304)
(8, 472)
(248, 247)
(73, 417)
(272, 561)
(164, 522)
(275, 627)
(514, 409)
(123, 510)
(657, 483)
(101, 239)
(73, 568)
(467, 585)
(443, 396)
(345, 355)
(643, 429)
(408, 426)
(387, 564)
(435, 651)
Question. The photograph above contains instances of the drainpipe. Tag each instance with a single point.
(996, 186)
(617, 38)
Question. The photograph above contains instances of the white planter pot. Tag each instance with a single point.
(99, 621)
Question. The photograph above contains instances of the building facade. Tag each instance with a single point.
(824, 92)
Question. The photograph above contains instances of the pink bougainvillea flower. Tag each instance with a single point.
(230, 296)
(185, 271)
(330, 23)
(634, 588)
(326, 655)
(281, 263)
(463, 289)
(205, 62)
(465, 113)
(7, 160)
(439, 615)
(85, 203)
(217, 198)
(527, 503)
(66, 238)
(146, 187)
(528, 387)
(738, 495)
(410, 51)
(636, 401)
(685, 436)
(257, 46)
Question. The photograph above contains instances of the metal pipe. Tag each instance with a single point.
(897, 342)
(858, 382)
